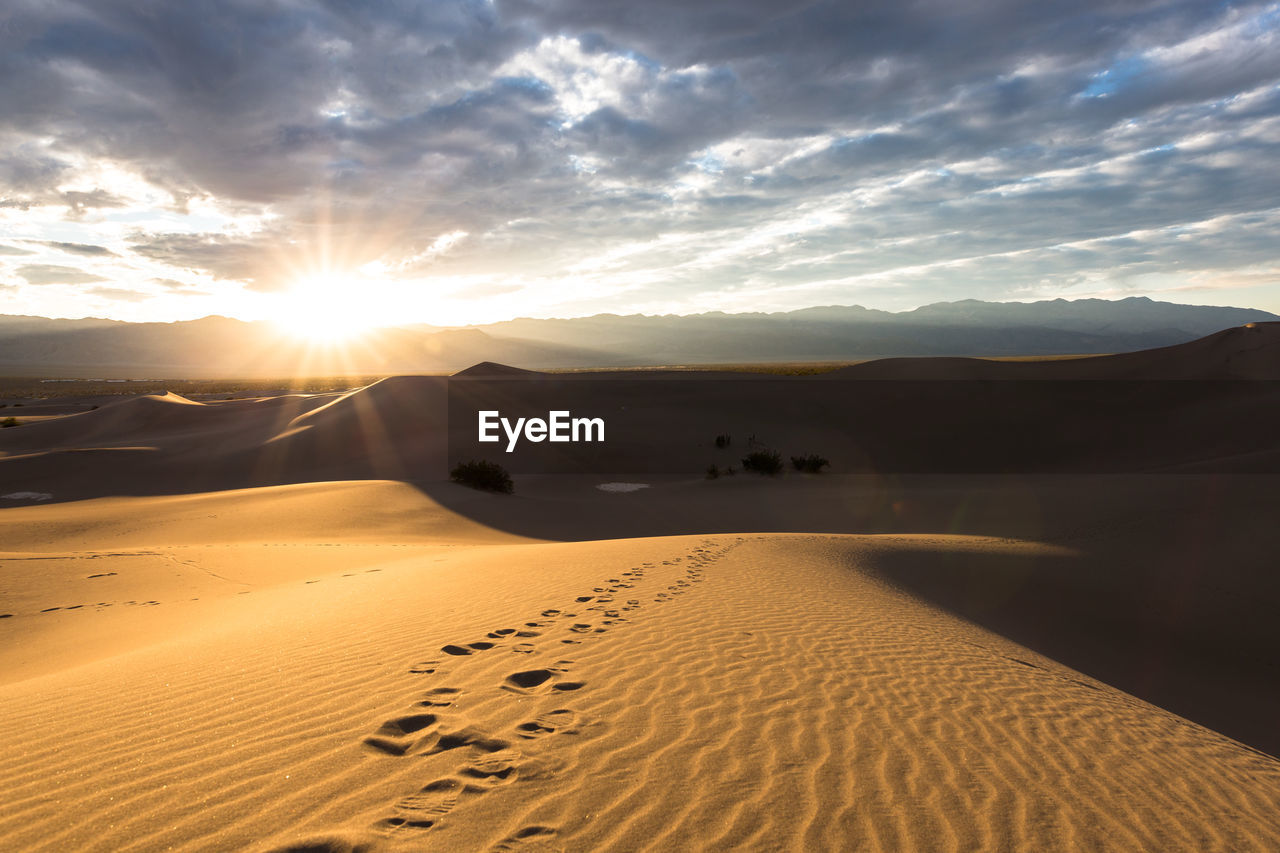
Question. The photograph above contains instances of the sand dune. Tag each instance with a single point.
(273, 625)
(398, 428)
(704, 692)
(1249, 352)
(489, 369)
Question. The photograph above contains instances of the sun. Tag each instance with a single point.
(324, 309)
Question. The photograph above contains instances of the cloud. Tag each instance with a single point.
(14, 250)
(85, 249)
(672, 154)
(53, 274)
(118, 294)
(251, 260)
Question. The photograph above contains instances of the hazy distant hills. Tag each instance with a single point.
(970, 327)
(217, 346)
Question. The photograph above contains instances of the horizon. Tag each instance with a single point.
(462, 164)
(743, 313)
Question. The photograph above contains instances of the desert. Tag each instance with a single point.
(305, 652)
(601, 426)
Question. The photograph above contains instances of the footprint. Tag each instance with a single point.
(401, 726)
(562, 720)
(427, 667)
(392, 824)
(437, 798)
(523, 648)
(528, 680)
(469, 648)
(500, 633)
(580, 628)
(484, 772)
(529, 839)
(468, 736)
(440, 697)
(102, 575)
(538, 681)
(393, 737)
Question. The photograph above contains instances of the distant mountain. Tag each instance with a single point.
(222, 347)
(834, 333)
(218, 346)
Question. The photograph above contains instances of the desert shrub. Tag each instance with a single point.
(811, 464)
(764, 462)
(9, 422)
(481, 474)
(713, 472)
(723, 441)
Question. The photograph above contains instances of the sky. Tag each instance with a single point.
(346, 163)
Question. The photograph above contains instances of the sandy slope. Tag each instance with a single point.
(88, 580)
(439, 685)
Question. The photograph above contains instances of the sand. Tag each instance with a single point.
(409, 679)
(885, 662)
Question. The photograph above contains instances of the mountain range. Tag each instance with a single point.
(218, 346)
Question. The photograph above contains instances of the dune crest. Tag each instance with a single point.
(493, 370)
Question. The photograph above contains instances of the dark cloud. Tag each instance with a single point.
(53, 274)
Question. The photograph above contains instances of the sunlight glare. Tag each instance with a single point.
(325, 309)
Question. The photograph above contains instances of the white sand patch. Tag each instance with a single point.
(27, 496)
(622, 487)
